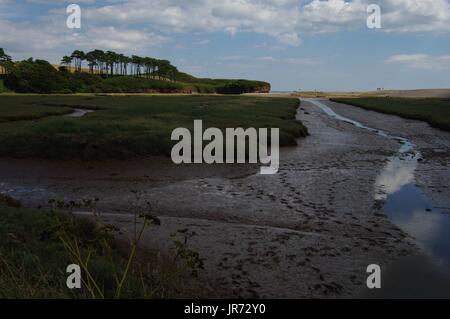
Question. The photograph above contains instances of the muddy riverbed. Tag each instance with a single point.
(309, 231)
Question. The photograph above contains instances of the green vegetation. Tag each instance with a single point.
(435, 111)
(222, 86)
(112, 63)
(37, 246)
(22, 112)
(109, 72)
(138, 85)
(5, 62)
(130, 126)
(2, 86)
(41, 77)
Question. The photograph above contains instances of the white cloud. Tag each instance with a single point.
(416, 15)
(267, 58)
(119, 39)
(139, 24)
(20, 35)
(52, 1)
(23, 40)
(421, 61)
(290, 38)
(285, 20)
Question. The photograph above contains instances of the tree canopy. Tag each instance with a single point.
(112, 63)
(5, 62)
(99, 71)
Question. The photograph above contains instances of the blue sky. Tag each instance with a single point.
(314, 44)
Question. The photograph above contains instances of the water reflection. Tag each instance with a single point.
(79, 113)
(405, 204)
(410, 210)
(397, 173)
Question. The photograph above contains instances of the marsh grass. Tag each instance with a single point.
(435, 111)
(131, 126)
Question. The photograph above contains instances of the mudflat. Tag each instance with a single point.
(309, 231)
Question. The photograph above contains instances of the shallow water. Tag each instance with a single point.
(405, 205)
(79, 113)
(408, 208)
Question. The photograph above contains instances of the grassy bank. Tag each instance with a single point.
(24, 112)
(37, 246)
(3, 89)
(222, 86)
(130, 126)
(435, 111)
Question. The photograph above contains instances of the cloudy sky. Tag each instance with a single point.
(294, 44)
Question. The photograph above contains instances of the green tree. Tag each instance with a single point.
(164, 68)
(92, 61)
(99, 57)
(78, 57)
(126, 62)
(111, 59)
(5, 62)
(137, 61)
(66, 61)
(34, 77)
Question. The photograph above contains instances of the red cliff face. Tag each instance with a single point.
(263, 89)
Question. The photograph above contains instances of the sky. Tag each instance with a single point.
(293, 44)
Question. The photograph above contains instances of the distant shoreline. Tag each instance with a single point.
(413, 93)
